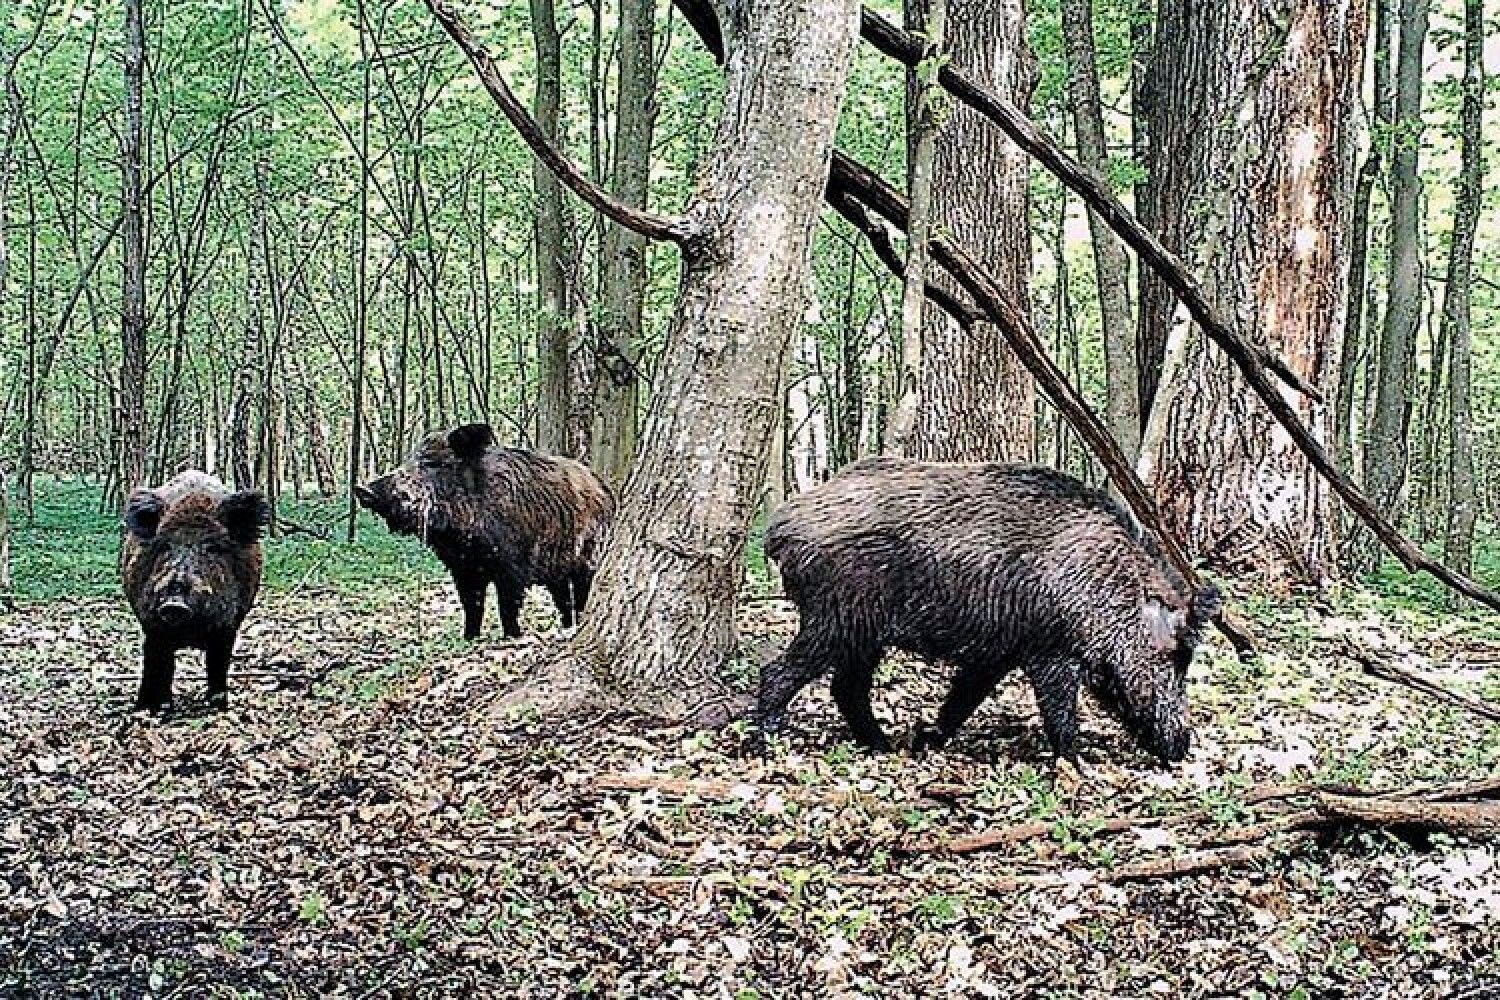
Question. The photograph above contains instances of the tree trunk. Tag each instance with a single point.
(979, 404)
(1457, 299)
(662, 626)
(1386, 457)
(361, 282)
(553, 315)
(923, 126)
(1111, 265)
(132, 404)
(624, 280)
(1359, 244)
(1251, 170)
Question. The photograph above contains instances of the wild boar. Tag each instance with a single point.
(502, 516)
(989, 568)
(191, 564)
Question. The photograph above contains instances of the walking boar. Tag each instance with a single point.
(501, 516)
(191, 564)
(989, 568)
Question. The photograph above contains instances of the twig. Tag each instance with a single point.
(1198, 862)
(1388, 671)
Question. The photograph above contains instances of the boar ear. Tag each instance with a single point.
(470, 440)
(244, 514)
(143, 514)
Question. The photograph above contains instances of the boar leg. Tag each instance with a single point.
(582, 581)
(562, 596)
(1055, 684)
(471, 595)
(511, 594)
(853, 674)
(974, 681)
(159, 663)
(216, 656)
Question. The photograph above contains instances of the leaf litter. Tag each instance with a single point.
(365, 821)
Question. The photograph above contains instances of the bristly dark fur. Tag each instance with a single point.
(990, 568)
(501, 516)
(190, 563)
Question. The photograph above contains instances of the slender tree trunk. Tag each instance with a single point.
(132, 403)
(923, 100)
(1111, 265)
(1458, 297)
(1359, 244)
(980, 403)
(1252, 168)
(6, 584)
(361, 290)
(617, 404)
(553, 314)
(662, 627)
(1386, 454)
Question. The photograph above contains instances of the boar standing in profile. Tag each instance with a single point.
(191, 564)
(502, 516)
(990, 568)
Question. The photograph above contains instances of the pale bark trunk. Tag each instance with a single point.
(980, 403)
(1386, 452)
(1457, 300)
(553, 315)
(662, 626)
(624, 281)
(1111, 265)
(132, 454)
(1251, 169)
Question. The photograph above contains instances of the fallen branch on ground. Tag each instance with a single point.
(1376, 666)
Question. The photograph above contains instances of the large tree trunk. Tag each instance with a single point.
(1457, 299)
(1386, 457)
(132, 455)
(1251, 171)
(553, 315)
(624, 280)
(1111, 265)
(979, 403)
(662, 626)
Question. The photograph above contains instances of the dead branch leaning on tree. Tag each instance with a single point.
(1254, 361)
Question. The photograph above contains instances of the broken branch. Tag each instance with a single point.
(648, 224)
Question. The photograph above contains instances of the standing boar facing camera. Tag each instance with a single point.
(190, 563)
(989, 568)
(501, 516)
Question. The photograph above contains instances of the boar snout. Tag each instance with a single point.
(174, 611)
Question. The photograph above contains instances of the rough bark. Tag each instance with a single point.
(1252, 170)
(361, 280)
(617, 404)
(553, 313)
(979, 404)
(132, 403)
(924, 112)
(1457, 299)
(1386, 454)
(662, 626)
(1111, 265)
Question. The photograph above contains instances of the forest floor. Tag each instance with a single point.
(364, 821)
